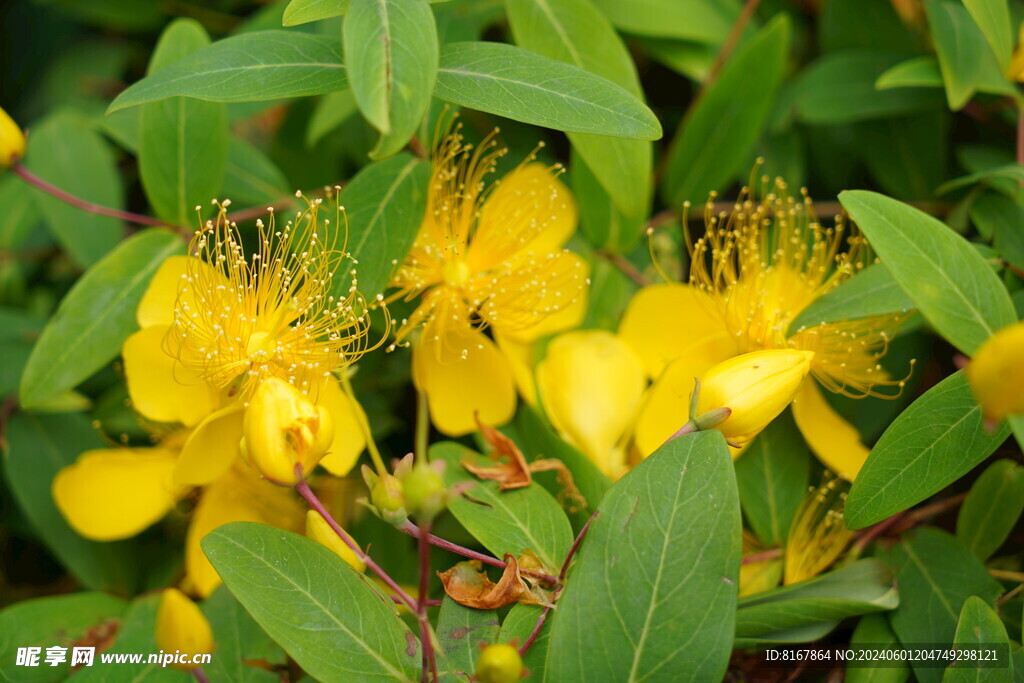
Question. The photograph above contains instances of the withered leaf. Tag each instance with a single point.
(467, 585)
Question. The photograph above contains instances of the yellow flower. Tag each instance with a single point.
(12, 140)
(217, 323)
(318, 530)
(1015, 72)
(757, 575)
(181, 627)
(752, 273)
(818, 534)
(996, 373)
(499, 663)
(591, 384)
(487, 257)
(283, 429)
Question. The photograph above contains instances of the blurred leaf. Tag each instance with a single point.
(462, 20)
(600, 220)
(517, 84)
(773, 476)
(707, 21)
(979, 626)
(873, 291)
(992, 508)
(80, 77)
(251, 177)
(1010, 172)
(801, 634)
(183, 143)
(240, 640)
(653, 588)
(691, 59)
(311, 603)
(126, 15)
(948, 281)
(934, 442)
(506, 521)
(840, 87)
(385, 203)
(21, 212)
(869, 24)
(264, 65)
(332, 109)
(610, 292)
(961, 49)
(873, 630)
(391, 54)
(66, 151)
(721, 129)
(518, 625)
(44, 622)
(936, 574)
(924, 72)
(907, 155)
(96, 316)
(461, 630)
(993, 18)
(37, 446)
(859, 588)
(992, 214)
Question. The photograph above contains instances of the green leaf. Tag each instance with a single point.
(802, 634)
(690, 59)
(518, 625)
(1000, 218)
(251, 177)
(718, 136)
(331, 111)
(311, 603)
(980, 626)
(461, 630)
(993, 18)
(506, 521)
(871, 24)
(239, 640)
(517, 84)
(961, 49)
(989, 176)
(906, 155)
(96, 316)
(947, 279)
(183, 143)
(873, 630)
(653, 588)
(873, 291)
(992, 508)
(66, 151)
(44, 622)
(934, 442)
(304, 11)
(839, 87)
(773, 476)
(860, 588)
(391, 53)
(37, 447)
(601, 220)
(917, 72)
(385, 203)
(936, 574)
(706, 21)
(21, 212)
(251, 67)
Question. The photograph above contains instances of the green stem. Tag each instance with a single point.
(422, 428)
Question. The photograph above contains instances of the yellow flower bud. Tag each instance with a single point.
(756, 387)
(12, 140)
(996, 373)
(320, 531)
(499, 663)
(282, 428)
(182, 628)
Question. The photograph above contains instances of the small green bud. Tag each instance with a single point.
(387, 498)
(499, 663)
(425, 493)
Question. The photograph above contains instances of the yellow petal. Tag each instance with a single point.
(530, 210)
(520, 356)
(834, 440)
(320, 531)
(349, 440)
(238, 496)
(170, 281)
(590, 383)
(12, 140)
(669, 321)
(462, 371)
(110, 494)
(211, 448)
(181, 626)
(161, 388)
(996, 373)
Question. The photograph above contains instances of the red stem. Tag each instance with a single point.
(769, 554)
(429, 660)
(200, 675)
(1020, 136)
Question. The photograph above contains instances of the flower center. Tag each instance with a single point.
(456, 272)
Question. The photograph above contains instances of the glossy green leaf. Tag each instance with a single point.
(993, 18)
(331, 111)
(251, 67)
(251, 177)
(44, 622)
(706, 21)
(718, 136)
(961, 49)
(653, 589)
(936, 574)
(66, 151)
(96, 316)
(839, 87)
(934, 442)
(385, 203)
(773, 476)
(461, 630)
(523, 86)
(860, 588)
(506, 521)
(873, 291)
(948, 280)
(391, 55)
(992, 508)
(980, 626)
(312, 604)
(304, 11)
(874, 630)
(240, 640)
(183, 143)
(37, 446)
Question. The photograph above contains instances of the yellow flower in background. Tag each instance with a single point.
(996, 373)
(818, 534)
(320, 531)
(1015, 72)
(487, 257)
(283, 429)
(752, 273)
(12, 140)
(181, 626)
